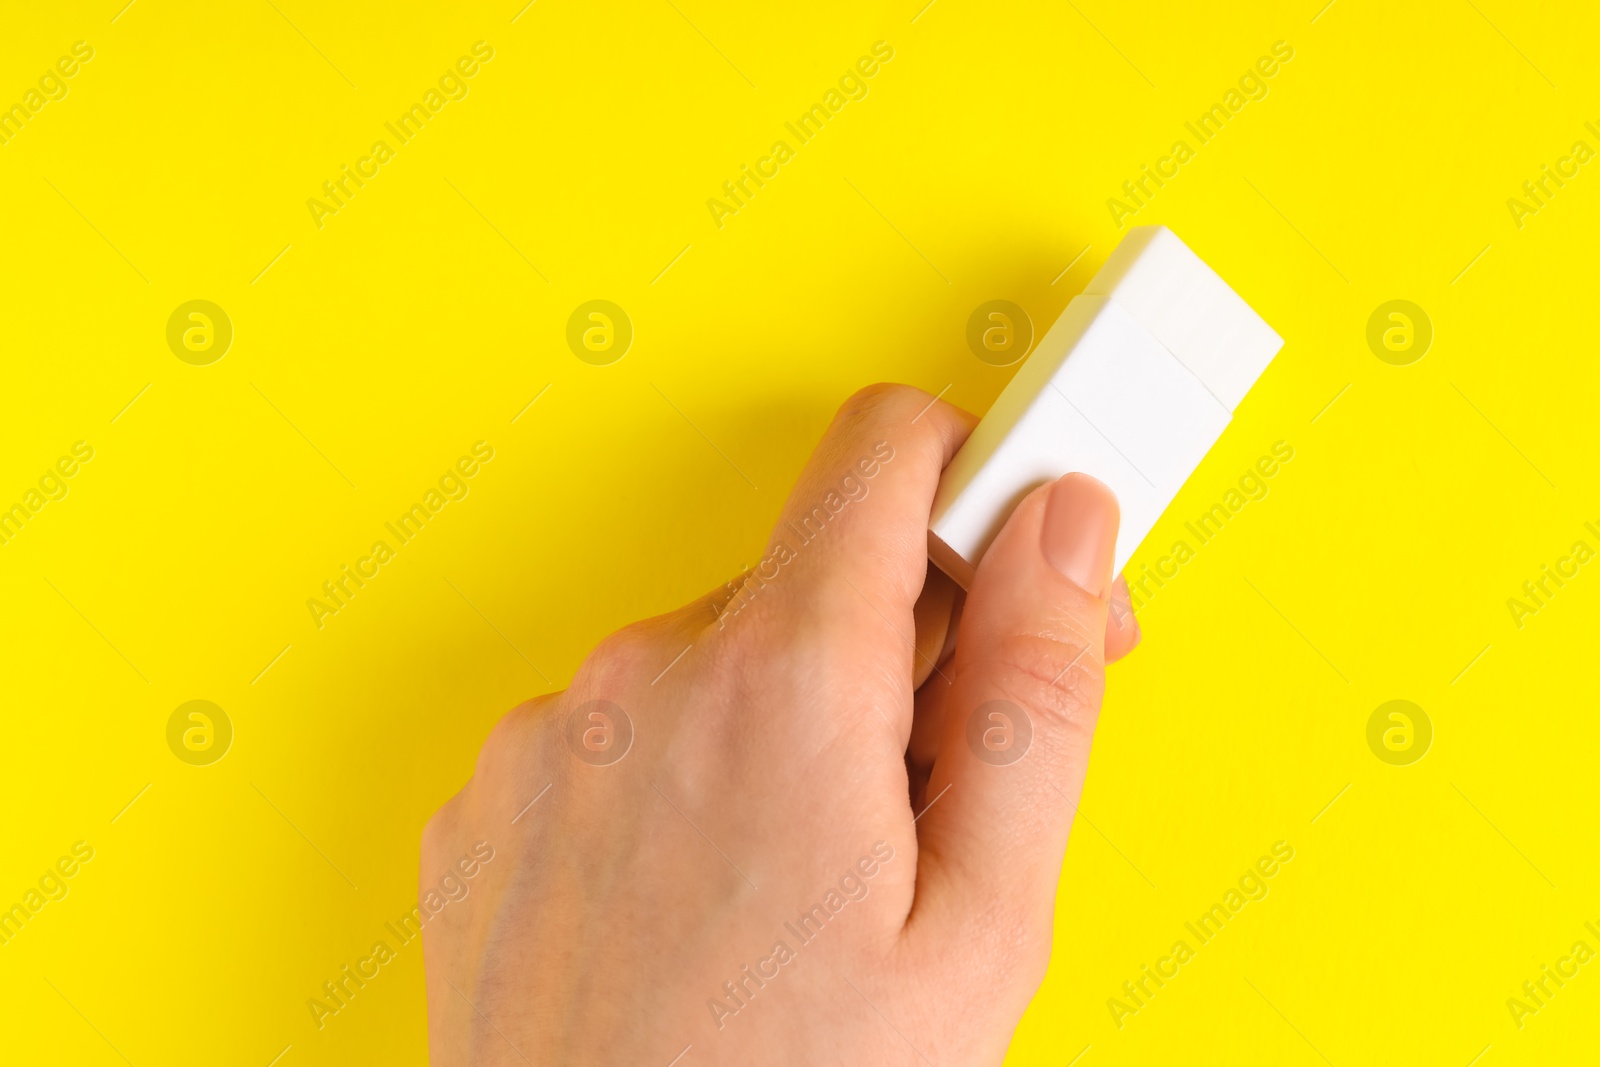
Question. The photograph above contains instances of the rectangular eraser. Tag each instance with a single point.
(1133, 385)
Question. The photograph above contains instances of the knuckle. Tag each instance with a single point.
(1060, 681)
(511, 738)
(619, 660)
(1006, 954)
(880, 401)
(1019, 950)
(437, 829)
(740, 633)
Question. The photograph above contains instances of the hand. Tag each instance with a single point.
(749, 829)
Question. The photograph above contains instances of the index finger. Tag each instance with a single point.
(856, 523)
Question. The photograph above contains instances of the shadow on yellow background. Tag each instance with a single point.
(357, 339)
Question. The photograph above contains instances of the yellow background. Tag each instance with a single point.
(415, 322)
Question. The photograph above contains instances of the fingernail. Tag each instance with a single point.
(1080, 531)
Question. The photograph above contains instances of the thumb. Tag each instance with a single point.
(1024, 695)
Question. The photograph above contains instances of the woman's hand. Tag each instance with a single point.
(750, 832)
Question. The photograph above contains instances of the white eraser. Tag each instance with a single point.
(1133, 384)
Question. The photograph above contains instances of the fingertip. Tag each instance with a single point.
(1122, 626)
(931, 618)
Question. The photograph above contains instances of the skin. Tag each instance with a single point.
(812, 740)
